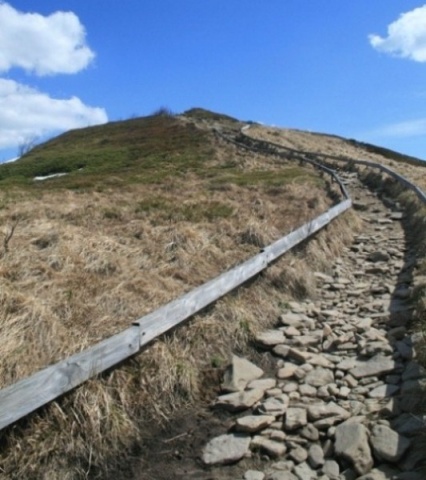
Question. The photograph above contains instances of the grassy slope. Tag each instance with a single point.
(151, 208)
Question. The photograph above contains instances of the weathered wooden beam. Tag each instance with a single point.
(28, 394)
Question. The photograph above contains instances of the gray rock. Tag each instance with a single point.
(254, 423)
(377, 365)
(409, 424)
(262, 384)
(331, 409)
(304, 472)
(412, 371)
(270, 338)
(238, 401)
(295, 418)
(287, 371)
(387, 444)
(239, 374)
(254, 475)
(381, 473)
(319, 377)
(275, 405)
(348, 474)
(352, 445)
(270, 447)
(331, 469)
(310, 432)
(294, 319)
(298, 454)
(315, 456)
(226, 449)
(281, 475)
(383, 391)
(412, 394)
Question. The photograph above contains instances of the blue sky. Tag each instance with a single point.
(351, 68)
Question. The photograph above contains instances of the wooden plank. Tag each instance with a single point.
(404, 181)
(27, 395)
(284, 244)
(177, 311)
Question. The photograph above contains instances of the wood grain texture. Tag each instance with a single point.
(27, 395)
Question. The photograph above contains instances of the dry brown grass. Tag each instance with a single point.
(98, 425)
(82, 265)
(335, 146)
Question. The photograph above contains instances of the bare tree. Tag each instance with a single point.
(8, 236)
(27, 144)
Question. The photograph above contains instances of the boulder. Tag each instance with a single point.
(387, 444)
(352, 445)
(239, 374)
(226, 449)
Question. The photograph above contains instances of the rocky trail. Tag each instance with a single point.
(342, 403)
(337, 395)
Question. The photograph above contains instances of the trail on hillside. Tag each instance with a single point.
(339, 396)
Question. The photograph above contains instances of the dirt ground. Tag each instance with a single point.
(173, 450)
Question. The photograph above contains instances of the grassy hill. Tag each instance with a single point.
(148, 209)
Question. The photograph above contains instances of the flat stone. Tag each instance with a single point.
(331, 409)
(262, 384)
(347, 364)
(270, 338)
(412, 371)
(270, 447)
(319, 377)
(387, 444)
(275, 405)
(295, 418)
(383, 391)
(409, 424)
(239, 374)
(293, 319)
(226, 449)
(237, 401)
(254, 475)
(304, 472)
(254, 423)
(298, 454)
(352, 444)
(307, 390)
(377, 365)
(287, 370)
(381, 473)
(281, 475)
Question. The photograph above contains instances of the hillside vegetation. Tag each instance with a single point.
(148, 209)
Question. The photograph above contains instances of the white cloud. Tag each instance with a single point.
(44, 45)
(26, 113)
(406, 36)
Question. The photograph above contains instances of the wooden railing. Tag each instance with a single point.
(29, 394)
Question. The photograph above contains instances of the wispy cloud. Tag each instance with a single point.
(406, 37)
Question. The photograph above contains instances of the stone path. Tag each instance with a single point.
(341, 404)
